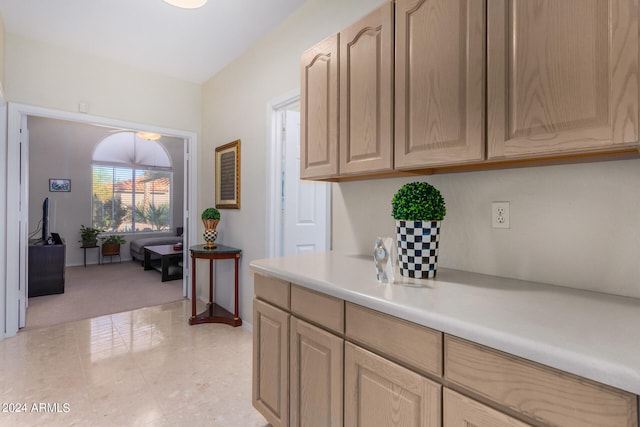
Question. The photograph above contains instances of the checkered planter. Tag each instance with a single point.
(210, 234)
(210, 237)
(418, 248)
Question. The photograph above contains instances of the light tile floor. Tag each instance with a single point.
(145, 367)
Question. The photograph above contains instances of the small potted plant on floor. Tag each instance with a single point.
(89, 236)
(111, 244)
(418, 209)
(210, 219)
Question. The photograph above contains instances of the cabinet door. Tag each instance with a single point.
(319, 110)
(460, 411)
(562, 76)
(271, 363)
(439, 94)
(316, 376)
(381, 393)
(366, 93)
(46, 270)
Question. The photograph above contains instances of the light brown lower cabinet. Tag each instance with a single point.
(380, 393)
(546, 395)
(319, 362)
(317, 358)
(271, 363)
(460, 411)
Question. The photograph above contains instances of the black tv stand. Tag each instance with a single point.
(46, 269)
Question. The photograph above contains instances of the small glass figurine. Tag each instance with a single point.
(383, 258)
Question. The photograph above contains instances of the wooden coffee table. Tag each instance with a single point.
(168, 264)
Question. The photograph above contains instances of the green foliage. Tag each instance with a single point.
(211, 213)
(113, 239)
(109, 214)
(418, 201)
(89, 234)
(156, 216)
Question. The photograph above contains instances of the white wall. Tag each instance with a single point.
(577, 198)
(43, 75)
(62, 149)
(571, 225)
(2, 52)
(48, 76)
(234, 107)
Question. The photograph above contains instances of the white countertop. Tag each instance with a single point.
(590, 334)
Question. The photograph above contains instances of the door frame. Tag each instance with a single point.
(3, 210)
(274, 176)
(17, 164)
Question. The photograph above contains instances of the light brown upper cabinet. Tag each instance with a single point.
(319, 110)
(439, 92)
(472, 84)
(562, 77)
(366, 93)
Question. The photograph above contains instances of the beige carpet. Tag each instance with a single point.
(97, 290)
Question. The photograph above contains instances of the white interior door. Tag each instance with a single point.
(305, 211)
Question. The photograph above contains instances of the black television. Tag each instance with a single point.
(45, 220)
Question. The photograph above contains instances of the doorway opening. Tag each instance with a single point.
(299, 211)
(18, 197)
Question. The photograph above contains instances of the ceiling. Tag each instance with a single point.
(190, 45)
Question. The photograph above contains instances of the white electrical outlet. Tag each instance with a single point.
(500, 215)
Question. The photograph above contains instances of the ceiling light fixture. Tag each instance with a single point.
(149, 136)
(187, 4)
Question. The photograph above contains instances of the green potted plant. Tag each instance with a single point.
(418, 208)
(111, 244)
(210, 219)
(89, 236)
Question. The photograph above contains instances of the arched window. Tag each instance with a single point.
(131, 182)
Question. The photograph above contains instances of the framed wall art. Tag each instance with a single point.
(60, 185)
(228, 176)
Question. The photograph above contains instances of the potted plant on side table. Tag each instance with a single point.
(210, 219)
(89, 236)
(418, 209)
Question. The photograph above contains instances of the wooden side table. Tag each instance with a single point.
(213, 313)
